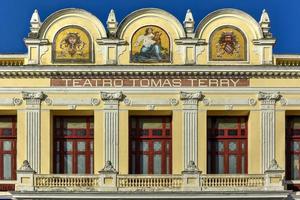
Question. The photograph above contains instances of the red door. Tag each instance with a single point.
(150, 145)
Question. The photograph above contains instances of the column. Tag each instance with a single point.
(190, 126)
(267, 125)
(111, 126)
(33, 128)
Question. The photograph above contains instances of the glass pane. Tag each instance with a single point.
(295, 167)
(144, 164)
(57, 163)
(7, 145)
(7, 132)
(219, 146)
(81, 132)
(226, 123)
(168, 132)
(209, 126)
(144, 146)
(6, 122)
(150, 123)
(68, 146)
(91, 146)
(80, 146)
(133, 132)
(219, 164)
(57, 123)
(92, 164)
(81, 164)
(220, 132)
(167, 146)
(157, 146)
(92, 123)
(232, 164)
(209, 146)
(75, 122)
(232, 146)
(144, 132)
(168, 164)
(157, 164)
(157, 132)
(133, 123)
(168, 123)
(57, 145)
(132, 145)
(208, 163)
(295, 146)
(133, 164)
(243, 123)
(7, 166)
(296, 123)
(243, 165)
(92, 131)
(68, 164)
(243, 147)
(232, 132)
(67, 132)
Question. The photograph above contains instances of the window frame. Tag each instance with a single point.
(61, 138)
(213, 138)
(150, 139)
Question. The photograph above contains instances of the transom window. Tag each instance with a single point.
(293, 148)
(227, 145)
(150, 145)
(8, 147)
(74, 145)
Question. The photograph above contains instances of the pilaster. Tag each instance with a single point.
(33, 128)
(190, 126)
(111, 126)
(267, 123)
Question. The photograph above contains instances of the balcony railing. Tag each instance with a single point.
(183, 182)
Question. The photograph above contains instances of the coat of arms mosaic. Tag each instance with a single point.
(72, 44)
(150, 44)
(228, 44)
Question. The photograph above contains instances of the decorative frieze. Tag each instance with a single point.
(111, 126)
(151, 102)
(190, 126)
(10, 101)
(267, 123)
(229, 102)
(76, 102)
(33, 127)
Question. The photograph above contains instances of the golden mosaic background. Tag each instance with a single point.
(216, 50)
(64, 51)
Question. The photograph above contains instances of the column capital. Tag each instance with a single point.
(33, 98)
(191, 97)
(108, 96)
(269, 97)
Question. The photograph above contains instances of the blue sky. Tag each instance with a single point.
(15, 16)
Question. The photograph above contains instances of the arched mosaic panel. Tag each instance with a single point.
(150, 44)
(228, 43)
(72, 44)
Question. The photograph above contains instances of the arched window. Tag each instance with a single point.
(227, 43)
(150, 44)
(72, 44)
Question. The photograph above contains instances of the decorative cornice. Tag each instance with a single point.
(203, 71)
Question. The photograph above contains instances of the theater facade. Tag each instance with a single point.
(149, 108)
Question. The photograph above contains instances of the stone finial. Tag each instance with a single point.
(265, 23)
(25, 166)
(189, 23)
(112, 23)
(35, 22)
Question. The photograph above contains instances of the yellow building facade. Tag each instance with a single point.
(149, 108)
